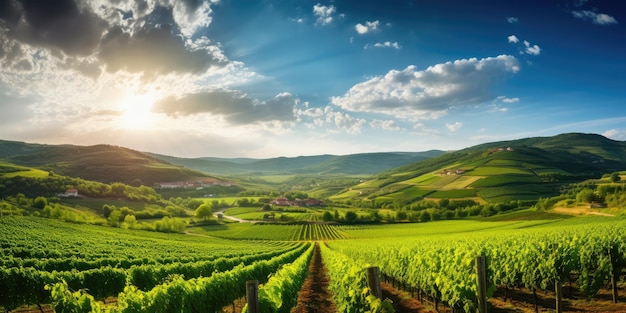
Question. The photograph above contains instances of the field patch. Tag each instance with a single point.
(501, 180)
(498, 170)
(422, 180)
(453, 194)
(346, 195)
(442, 181)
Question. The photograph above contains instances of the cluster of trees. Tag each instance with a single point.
(53, 184)
(611, 194)
(123, 217)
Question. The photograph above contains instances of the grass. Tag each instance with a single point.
(442, 182)
(228, 200)
(9, 170)
(499, 170)
(346, 195)
(96, 203)
(501, 180)
(408, 193)
(525, 215)
(451, 194)
(422, 180)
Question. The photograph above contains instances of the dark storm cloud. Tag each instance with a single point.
(154, 50)
(151, 44)
(59, 24)
(235, 107)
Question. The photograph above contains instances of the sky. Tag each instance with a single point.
(261, 79)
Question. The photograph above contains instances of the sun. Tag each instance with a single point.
(137, 112)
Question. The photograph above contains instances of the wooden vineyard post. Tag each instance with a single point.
(481, 283)
(373, 282)
(558, 288)
(614, 272)
(614, 280)
(252, 295)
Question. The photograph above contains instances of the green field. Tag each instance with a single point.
(9, 170)
(132, 265)
(453, 194)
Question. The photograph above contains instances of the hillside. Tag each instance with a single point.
(364, 163)
(103, 163)
(524, 169)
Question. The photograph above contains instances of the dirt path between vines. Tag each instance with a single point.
(402, 301)
(314, 295)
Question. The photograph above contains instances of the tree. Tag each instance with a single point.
(204, 211)
(351, 216)
(327, 216)
(587, 196)
(130, 221)
(40, 202)
(615, 177)
(114, 218)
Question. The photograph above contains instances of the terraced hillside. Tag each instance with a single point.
(524, 169)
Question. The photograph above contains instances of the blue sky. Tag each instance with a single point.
(286, 78)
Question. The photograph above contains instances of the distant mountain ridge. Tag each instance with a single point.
(523, 169)
(363, 163)
(108, 163)
(103, 163)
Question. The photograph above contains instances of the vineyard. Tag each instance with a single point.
(85, 268)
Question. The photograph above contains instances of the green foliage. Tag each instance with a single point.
(170, 225)
(38, 252)
(615, 177)
(280, 293)
(66, 301)
(351, 216)
(348, 284)
(204, 211)
(40, 202)
(442, 265)
(588, 196)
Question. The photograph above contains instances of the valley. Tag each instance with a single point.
(161, 235)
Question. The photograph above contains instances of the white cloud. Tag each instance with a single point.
(532, 49)
(595, 18)
(191, 15)
(386, 44)
(579, 3)
(508, 100)
(528, 47)
(324, 14)
(368, 27)
(430, 93)
(344, 121)
(512, 20)
(454, 127)
(385, 125)
(615, 134)
(233, 106)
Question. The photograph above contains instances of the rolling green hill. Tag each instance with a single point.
(354, 164)
(524, 169)
(103, 163)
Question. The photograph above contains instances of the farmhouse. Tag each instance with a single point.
(310, 202)
(198, 183)
(281, 201)
(298, 202)
(70, 193)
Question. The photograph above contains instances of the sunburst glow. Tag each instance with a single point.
(137, 112)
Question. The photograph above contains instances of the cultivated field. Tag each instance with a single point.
(116, 270)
